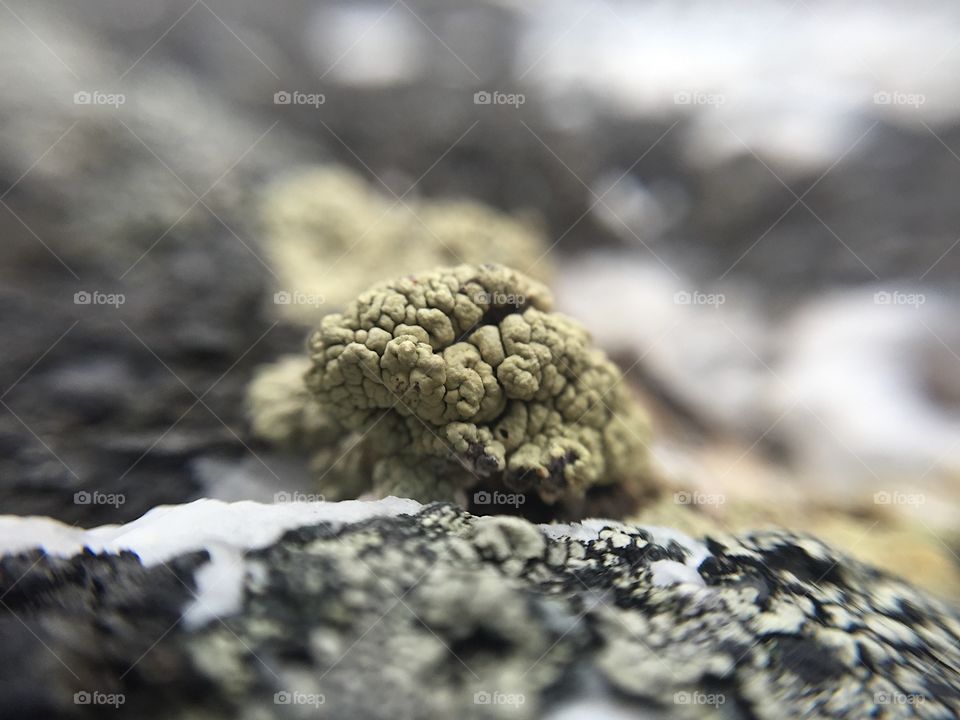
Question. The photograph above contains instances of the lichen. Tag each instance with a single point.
(432, 612)
(462, 380)
(284, 413)
(328, 235)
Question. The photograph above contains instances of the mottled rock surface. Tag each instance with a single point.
(397, 610)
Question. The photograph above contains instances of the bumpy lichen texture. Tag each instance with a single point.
(284, 413)
(328, 235)
(462, 378)
(502, 619)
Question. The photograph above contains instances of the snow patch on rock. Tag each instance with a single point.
(225, 530)
(171, 530)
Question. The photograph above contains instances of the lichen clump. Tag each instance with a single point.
(329, 234)
(462, 378)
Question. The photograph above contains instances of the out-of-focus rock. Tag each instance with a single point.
(701, 348)
(863, 395)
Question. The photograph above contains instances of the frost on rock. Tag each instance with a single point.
(329, 235)
(392, 609)
(456, 381)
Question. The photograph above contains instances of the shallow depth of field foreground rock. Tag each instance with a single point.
(339, 610)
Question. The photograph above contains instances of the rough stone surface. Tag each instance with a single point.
(435, 613)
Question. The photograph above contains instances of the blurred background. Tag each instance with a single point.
(753, 208)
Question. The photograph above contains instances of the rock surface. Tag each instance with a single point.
(393, 609)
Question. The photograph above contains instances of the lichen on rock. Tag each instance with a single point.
(393, 609)
(328, 234)
(463, 379)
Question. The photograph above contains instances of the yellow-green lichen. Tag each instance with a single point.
(328, 235)
(456, 379)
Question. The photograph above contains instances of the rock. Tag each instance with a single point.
(389, 608)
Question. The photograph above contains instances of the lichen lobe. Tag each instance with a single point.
(463, 376)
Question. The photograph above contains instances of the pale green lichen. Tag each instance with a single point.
(282, 411)
(460, 379)
(328, 235)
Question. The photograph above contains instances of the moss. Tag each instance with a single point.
(329, 235)
(462, 379)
